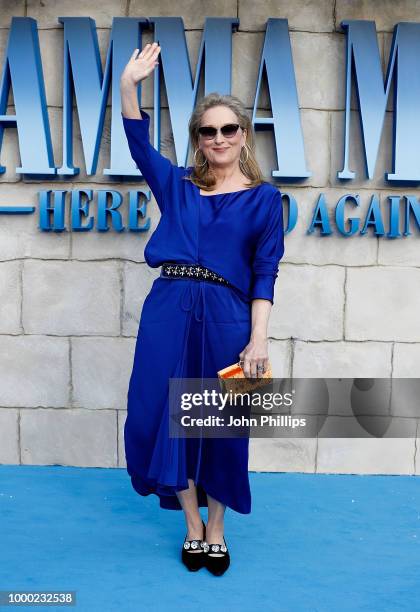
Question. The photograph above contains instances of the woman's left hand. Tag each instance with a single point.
(254, 355)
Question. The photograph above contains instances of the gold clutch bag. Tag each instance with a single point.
(232, 378)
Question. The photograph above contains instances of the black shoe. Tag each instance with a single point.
(217, 557)
(193, 560)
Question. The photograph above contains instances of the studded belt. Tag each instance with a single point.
(191, 271)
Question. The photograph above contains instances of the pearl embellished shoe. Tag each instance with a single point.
(216, 557)
(191, 559)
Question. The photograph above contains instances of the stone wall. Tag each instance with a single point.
(70, 303)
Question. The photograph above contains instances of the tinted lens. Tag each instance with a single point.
(230, 129)
(227, 130)
(207, 132)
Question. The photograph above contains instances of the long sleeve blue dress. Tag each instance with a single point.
(193, 328)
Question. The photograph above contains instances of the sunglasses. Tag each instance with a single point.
(229, 130)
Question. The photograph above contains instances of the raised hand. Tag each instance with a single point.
(140, 65)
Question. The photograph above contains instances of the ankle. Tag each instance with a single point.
(195, 529)
(215, 526)
(194, 524)
(215, 532)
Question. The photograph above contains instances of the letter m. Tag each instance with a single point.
(363, 54)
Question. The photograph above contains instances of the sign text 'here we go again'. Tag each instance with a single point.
(87, 84)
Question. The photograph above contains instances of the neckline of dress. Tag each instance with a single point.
(212, 195)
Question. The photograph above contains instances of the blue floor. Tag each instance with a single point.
(313, 542)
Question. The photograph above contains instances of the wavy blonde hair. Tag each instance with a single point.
(202, 175)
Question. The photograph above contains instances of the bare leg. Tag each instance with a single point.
(215, 525)
(189, 503)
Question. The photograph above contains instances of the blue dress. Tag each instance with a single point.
(190, 328)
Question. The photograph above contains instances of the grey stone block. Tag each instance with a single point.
(78, 298)
(138, 281)
(35, 371)
(10, 297)
(308, 303)
(101, 369)
(76, 437)
(20, 235)
(382, 304)
(385, 15)
(122, 416)
(313, 16)
(406, 362)
(282, 454)
(47, 12)
(342, 359)
(192, 13)
(365, 455)
(9, 436)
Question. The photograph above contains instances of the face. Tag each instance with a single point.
(221, 150)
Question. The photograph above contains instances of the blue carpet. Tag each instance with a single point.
(313, 542)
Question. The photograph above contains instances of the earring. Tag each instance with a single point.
(195, 159)
(247, 154)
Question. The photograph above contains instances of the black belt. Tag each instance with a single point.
(191, 271)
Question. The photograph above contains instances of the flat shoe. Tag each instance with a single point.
(216, 557)
(193, 560)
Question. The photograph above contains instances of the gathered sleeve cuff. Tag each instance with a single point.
(268, 253)
(154, 167)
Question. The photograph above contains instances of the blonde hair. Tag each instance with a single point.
(202, 175)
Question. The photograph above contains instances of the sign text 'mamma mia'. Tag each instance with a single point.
(90, 84)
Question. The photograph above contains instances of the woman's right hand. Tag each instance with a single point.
(139, 67)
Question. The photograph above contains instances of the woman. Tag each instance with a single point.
(219, 241)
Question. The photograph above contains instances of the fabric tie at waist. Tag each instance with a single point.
(193, 300)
